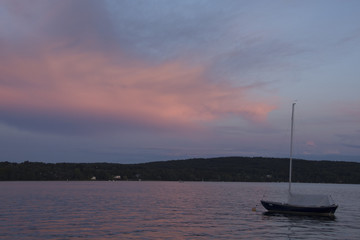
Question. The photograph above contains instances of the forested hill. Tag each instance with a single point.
(245, 169)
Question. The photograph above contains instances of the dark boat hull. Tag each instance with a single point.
(300, 210)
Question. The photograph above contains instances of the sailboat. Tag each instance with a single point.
(303, 204)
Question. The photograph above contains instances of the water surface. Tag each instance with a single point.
(167, 210)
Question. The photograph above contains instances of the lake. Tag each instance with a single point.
(167, 210)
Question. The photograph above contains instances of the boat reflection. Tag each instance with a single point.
(299, 216)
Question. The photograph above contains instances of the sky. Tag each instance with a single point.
(135, 81)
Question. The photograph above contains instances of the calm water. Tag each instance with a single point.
(166, 210)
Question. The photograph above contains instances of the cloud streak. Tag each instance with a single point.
(91, 86)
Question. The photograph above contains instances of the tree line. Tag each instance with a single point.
(231, 169)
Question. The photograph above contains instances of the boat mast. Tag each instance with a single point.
(291, 144)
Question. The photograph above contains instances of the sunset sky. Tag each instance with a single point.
(135, 81)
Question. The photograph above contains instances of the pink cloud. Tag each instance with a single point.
(172, 93)
(310, 143)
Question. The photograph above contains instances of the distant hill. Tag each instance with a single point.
(242, 169)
